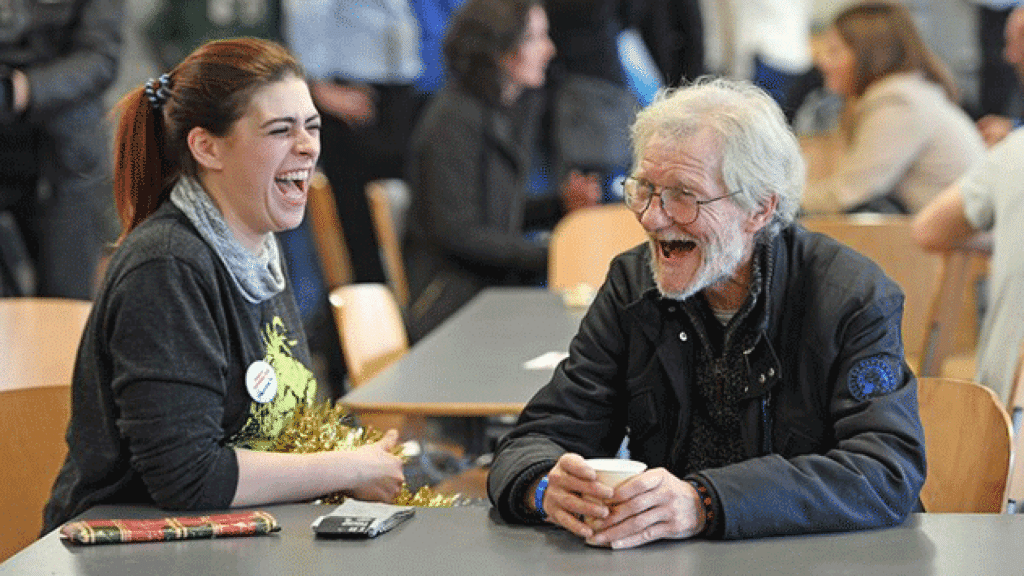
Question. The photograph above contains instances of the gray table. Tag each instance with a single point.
(472, 365)
(472, 540)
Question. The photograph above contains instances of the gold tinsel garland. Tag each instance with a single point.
(321, 427)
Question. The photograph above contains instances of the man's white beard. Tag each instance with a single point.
(720, 259)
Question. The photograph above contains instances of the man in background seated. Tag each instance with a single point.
(988, 199)
(756, 368)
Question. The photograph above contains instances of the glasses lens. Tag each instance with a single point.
(682, 207)
(635, 194)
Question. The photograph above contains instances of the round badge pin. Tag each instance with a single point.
(261, 381)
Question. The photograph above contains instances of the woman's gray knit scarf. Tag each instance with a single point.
(258, 276)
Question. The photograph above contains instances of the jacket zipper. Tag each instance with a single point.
(766, 420)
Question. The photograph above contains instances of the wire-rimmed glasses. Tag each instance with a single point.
(679, 203)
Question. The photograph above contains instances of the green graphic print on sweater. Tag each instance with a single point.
(296, 386)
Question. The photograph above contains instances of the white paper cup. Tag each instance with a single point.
(614, 471)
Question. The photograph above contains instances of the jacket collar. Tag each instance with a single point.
(653, 313)
(501, 126)
(772, 269)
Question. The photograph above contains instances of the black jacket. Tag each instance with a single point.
(469, 171)
(69, 49)
(830, 424)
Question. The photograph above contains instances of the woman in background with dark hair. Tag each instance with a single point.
(906, 138)
(193, 358)
(470, 164)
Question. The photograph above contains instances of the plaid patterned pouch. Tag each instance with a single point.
(171, 528)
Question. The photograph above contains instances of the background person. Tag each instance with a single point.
(756, 368)
(997, 86)
(56, 60)
(906, 139)
(177, 27)
(765, 41)
(994, 127)
(362, 57)
(195, 311)
(470, 165)
(988, 199)
(674, 32)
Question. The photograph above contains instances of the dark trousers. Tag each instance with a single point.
(998, 83)
(55, 182)
(353, 156)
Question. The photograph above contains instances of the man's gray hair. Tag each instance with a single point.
(760, 154)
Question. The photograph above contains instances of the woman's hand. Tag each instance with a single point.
(378, 472)
(371, 472)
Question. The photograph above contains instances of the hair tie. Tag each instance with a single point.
(158, 90)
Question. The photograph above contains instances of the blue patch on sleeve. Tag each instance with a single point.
(874, 376)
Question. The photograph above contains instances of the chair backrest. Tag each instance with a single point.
(328, 234)
(584, 242)
(1016, 407)
(370, 329)
(968, 443)
(887, 240)
(952, 325)
(34, 421)
(388, 238)
(39, 340)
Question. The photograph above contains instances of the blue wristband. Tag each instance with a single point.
(538, 497)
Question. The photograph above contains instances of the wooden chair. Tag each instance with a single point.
(887, 240)
(372, 336)
(1016, 407)
(951, 333)
(388, 239)
(585, 241)
(370, 329)
(39, 339)
(34, 421)
(968, 443)
(328, 235)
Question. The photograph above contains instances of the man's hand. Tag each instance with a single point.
(994, 128)
(653, 506)
(573, 491)
(15, 93)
